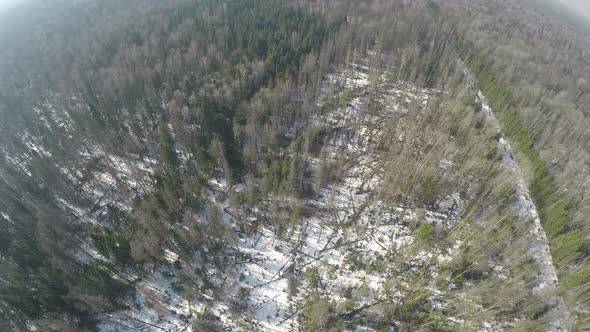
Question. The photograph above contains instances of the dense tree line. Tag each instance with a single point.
(538, 79)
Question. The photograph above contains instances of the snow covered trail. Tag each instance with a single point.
(559, 318)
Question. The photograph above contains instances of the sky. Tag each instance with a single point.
(580, 6)
(7, 4)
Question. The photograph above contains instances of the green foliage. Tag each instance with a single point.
(30, 286)
(296, 214)
(567, 243)
(117, 217)
(284, 175)
(429, 190)
(425, 234)
(111, 243)
(262, 29)
(413, 304)
(312, 275)
(578, 278)
(348, 305)
(25, 253)
(168, 154)
(319, 314)
(193, 188)
(243, 293)
(6, 235)
(36, 293)
(51, 289)
(216, 125)
(201, 155)
(567, 248)
(207, 321)
(355, 260)
(345, 98)
(178, 288)
(97, 278)
(216, 122)
(556, 219)
(463, 269)
(435, 321)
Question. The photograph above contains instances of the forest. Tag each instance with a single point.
(293, 165)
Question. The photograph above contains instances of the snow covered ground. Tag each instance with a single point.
(155, 306)
(346, 223)
(345, 229)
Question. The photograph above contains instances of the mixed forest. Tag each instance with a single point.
(293, 165)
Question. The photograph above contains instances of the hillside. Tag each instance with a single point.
(274, 165)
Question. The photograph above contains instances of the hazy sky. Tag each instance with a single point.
(580, 6)
(5, 4)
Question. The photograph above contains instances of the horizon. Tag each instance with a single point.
(581, 7)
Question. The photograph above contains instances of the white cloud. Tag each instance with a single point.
(580, 6)
(6, 4)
